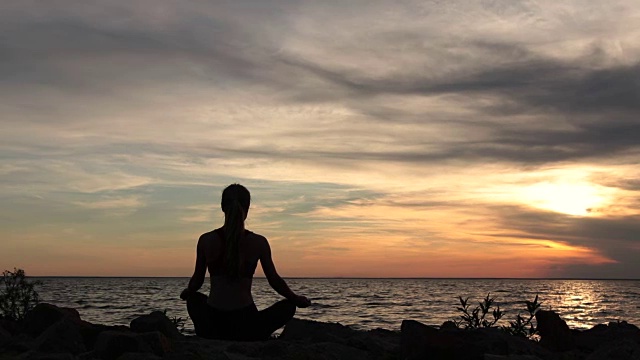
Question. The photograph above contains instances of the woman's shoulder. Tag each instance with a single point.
(255, 236)
(213, 234)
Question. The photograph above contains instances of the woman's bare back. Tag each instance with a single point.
(228, 293)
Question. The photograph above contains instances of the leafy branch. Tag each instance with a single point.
(18, 295)
(477, 318)
(179, 322)
(523, 326)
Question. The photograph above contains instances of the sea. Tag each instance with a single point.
(360, 303)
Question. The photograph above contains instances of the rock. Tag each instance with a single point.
(156, 321)
(271, 348)
(327, 351)
(555, 335)
(591, 339)
(33, 355)
(448, 325)
(19, 343)
(90, 332)
(61, 337)
(138, 356)
(232, 356)
(510, 357)
(276, 349)
(43, 315)
(9, 326)
(112, 344)
(157, 342)
(314, 331)
(378, 343)
(624, 349)
(5, 336)
(193, 347)
(420, 341)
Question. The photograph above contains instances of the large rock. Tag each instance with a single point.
(302, 339)
(156, 321)
(5, 336)
(591, 339)
(555, 335)
(420, 341)
(112, 344)
(377, 343)
(90, 332)
(328, 351)
(282, 350)
(43, 315)
(314, 331)
(193, 347)
(412, 341)
(511, 357)
(157, 342)
(624, 349)
(138, 356)
(61, 337)
(35, 355)
(270, 349)
(10, 326)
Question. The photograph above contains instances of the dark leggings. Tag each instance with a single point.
(242, 324)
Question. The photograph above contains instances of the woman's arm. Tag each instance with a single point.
(199, 273)
(277, 283)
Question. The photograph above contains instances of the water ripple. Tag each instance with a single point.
(362, 303)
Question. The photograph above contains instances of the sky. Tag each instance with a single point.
(492, 138)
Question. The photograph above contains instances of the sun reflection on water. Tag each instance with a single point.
(583, 302)
(362, 303)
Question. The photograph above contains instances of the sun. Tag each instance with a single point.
(578, 199)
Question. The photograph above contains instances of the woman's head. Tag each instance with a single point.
(235, 205)
(234, 195)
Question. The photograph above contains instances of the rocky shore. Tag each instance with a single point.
(50, 332)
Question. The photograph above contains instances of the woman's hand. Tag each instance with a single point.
(301, 301)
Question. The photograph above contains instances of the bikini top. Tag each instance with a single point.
(218, 267)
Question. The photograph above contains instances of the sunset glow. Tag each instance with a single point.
(422, 139)
(566, 198)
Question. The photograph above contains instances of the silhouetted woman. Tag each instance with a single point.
(231, 254)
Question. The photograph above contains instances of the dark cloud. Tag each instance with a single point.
(600, 104)
(617, 237)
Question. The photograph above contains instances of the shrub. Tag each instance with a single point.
(477, 318)
(179, 322)
(523, 326)
(18, 295)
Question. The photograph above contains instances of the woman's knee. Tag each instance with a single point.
(289, 307)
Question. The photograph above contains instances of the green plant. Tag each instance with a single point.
(523, 326)
(477, 318)
(18, 295)
(179, 322)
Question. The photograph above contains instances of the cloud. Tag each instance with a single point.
(415, 124)
(614, 237)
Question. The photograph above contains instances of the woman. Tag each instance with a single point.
(231, 254)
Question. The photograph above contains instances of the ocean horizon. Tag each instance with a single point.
(362, 303)
(340, 277)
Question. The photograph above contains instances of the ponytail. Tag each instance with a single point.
(233, 231)
(235, 205)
